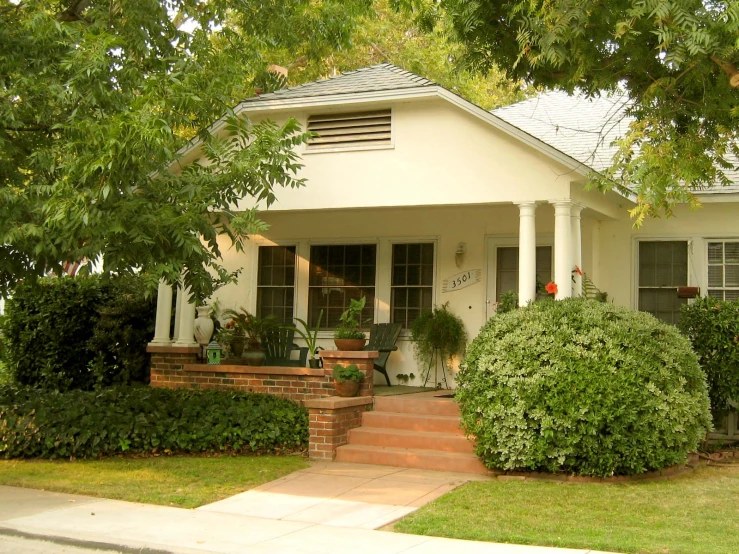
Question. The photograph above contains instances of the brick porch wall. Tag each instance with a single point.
(176, 367)
(329, 422)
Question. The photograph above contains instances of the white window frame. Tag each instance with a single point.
(434, 300)
(328, 333)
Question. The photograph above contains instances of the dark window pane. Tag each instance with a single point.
(276, 282)
(332, 286)
(412, 281)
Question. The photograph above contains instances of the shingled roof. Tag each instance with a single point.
(380, 77)
(583, 128)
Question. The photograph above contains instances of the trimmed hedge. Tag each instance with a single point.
(118, 420)
(582, 387)
(713, 329)
(63, 334)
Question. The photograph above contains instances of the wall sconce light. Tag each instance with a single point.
(459, 254)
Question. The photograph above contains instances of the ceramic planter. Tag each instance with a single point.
(203, 325)
(314, 363)
(350, 344)
(254, 357)
(346, 388)
(237, 347)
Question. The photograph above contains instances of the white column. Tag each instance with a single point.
(576, 247)
(526, 252)
(186, 335)
(164, 314)
(563, 265)
(177, 313)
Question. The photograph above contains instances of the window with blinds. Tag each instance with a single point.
(349, 130)
(723, 270)
(663, 267)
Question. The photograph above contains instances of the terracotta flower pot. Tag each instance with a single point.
(346, 388)
(350, 344)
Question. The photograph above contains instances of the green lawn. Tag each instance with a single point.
(693, 514)
(186, 482)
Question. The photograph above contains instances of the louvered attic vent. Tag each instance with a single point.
(349, 130)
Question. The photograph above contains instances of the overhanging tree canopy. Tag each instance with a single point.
(95, 99)
(676, 59)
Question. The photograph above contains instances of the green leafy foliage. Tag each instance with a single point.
(350, 321)
(129, 420)
(62, 334)
(438, 330)
(348, 373)
(96, 99)
(713, 329)
(676, 59)
(582, 387)
(388, 35)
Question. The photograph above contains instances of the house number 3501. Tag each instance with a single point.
(461, 280)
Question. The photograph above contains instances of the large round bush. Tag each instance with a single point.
(582, 387)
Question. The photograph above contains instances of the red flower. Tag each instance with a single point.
(551, 288)
(578, 270)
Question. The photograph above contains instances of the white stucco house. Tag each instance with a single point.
(417, 197)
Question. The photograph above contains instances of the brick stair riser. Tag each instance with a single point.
(442, 442)
(427, 460)
(430, 424)
(417, 407)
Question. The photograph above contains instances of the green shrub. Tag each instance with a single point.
(86, 424)
(713, 329)
(582, 387)
(63, 334)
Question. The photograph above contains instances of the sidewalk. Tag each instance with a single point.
(344, 495)
(126, 526)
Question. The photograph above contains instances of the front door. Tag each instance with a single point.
(502, 269)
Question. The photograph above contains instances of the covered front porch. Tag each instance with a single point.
(316, 260)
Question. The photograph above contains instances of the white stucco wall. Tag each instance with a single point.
(440, 155)
(618, 249)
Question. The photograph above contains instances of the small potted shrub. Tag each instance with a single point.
(348, 336)
(347, 380)
(310, 336)
(252, 329)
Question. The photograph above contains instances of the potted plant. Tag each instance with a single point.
(437, 333)
(252, 329)
(310, 336)
(347, 336)
(347, 380)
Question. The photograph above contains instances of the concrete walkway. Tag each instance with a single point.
(94, 523)
(344, 495)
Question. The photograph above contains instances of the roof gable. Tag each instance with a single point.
(376, 78)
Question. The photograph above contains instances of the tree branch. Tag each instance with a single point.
(730, 69)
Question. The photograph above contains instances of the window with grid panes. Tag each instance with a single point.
(723, 269)
(338, 274)
(663, 267)
(411, 286)
(276, 282)
(506, 269)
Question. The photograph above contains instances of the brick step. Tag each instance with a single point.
(408, 457)
(427, 406)
(418, 440)
(412, 422)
